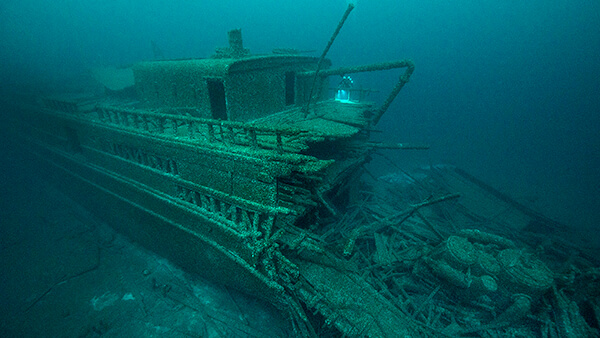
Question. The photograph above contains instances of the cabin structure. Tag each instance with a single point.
(229, 88)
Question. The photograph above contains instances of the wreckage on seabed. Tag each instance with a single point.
(240, 168)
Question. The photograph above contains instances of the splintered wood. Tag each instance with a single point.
(415, 241)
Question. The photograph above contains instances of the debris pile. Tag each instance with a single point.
(456, 273)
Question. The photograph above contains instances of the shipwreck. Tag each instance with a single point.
(247, 169)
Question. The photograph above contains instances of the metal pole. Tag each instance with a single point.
(337, 30)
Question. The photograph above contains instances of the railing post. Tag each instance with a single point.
(125, 118)
(253, 138)
(191, 132)
(211, 132)
(118, 117)
(100, 112)
(160, 125)
(279, 143)
(174, 124)
(145, 123)
(230, 134)
(135, 119)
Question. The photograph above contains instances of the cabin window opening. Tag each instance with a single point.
(73, 142)
(290, 88)
(216, 93)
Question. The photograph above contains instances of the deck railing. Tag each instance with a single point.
(177, 124)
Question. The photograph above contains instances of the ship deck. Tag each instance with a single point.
(289, 131)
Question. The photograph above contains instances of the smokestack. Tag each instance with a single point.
(235, 40)
(236, 43)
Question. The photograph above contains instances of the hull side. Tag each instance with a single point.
(158, 222)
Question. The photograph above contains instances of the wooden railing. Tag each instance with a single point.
(199, 129)
(246, 221)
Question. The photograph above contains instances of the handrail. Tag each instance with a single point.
(226, 132)
(405, 63)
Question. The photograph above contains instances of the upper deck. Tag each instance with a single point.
(287, 131)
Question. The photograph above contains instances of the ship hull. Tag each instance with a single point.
(167, 225)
